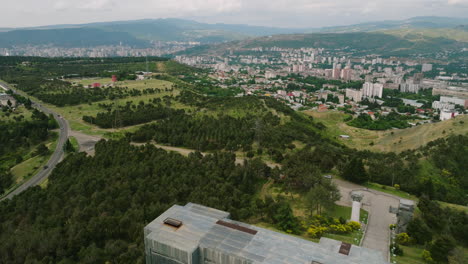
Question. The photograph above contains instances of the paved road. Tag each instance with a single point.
(377, 204)
(56, 157)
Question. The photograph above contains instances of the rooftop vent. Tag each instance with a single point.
(173, 222)
(237, 227)
(345, 248)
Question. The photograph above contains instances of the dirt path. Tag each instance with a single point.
(186, 152)
(86, 142)
(378, 205)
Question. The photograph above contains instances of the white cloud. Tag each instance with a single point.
(455, 2)
(287, 13)
(62, 5)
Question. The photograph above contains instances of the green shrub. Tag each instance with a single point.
(403, 239)
(354, 225)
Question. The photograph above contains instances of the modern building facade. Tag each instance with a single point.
(372, 90)
(454, 100)
(195, 234)
(355, 95)
(426, 67)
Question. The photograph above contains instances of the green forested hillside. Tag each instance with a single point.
(70, 38)
(21, 137)
(437, 170)
(136, 33)
(12, 69)
(420, 34)
(95, 208)
(360, 43)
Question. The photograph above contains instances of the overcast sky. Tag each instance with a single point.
(280, 13)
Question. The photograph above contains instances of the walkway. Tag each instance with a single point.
(378, 205)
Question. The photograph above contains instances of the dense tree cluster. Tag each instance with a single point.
(392, 97)
(279, 213)
(212, 133)
(304, 169)
(442, 169)
(392, 120)
(14, 135)
(61, 93)
(94, 208)
(229, 133)
(439, 229)
(132, 114)
(19, 136)
(313, 84)
(12, 67)
(438, 169)
(354, 171)
(222, 104)
(6, 180)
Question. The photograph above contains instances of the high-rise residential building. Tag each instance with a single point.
(341, 98)
(346, 74)
(328, 73)
(372, 89)
(454, 100)
(409, 87)
(442, 105)
(195, 234)
(336, 73)
(417, 78)
(295, 68)
(461, 92)
(355, 95)
(426, 67)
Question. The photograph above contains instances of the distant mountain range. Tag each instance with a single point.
(427, 22)
(140, 33)
(134, 33)
(356, 42)
(68, 37)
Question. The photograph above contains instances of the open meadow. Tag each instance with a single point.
(74, 114)
(396, 140)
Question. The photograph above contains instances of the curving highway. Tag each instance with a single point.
(56, 156)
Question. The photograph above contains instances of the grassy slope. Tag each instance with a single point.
(74, 114)
(7, 162)
(27, 168)
(21, 110)
(390, 190)
(365, 42)
(32, 164)
(411, 255)
(74, 143)
(385, 141)
(139, 85)
(414, 34)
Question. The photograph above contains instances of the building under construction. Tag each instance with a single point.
(195, 234)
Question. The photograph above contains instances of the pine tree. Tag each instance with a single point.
(354, 171)
(69, 147)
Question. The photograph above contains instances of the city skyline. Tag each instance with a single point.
(291, 14)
